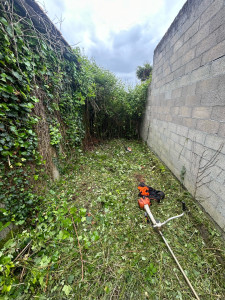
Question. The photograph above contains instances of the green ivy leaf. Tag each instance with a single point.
(67, 289)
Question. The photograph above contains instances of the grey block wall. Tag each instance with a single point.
(184, 121)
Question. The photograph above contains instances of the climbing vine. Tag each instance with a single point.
(42, 88)
(51, 97)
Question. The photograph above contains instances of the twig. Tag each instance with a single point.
(47, 277)
(178, 280)
(23, 271)
(81, 256)
(24, 249)
(217, 249)
(191, 236)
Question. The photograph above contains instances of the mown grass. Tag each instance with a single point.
(118, 256)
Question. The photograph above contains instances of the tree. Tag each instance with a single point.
(143, 73)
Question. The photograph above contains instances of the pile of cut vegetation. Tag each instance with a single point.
(89, 240)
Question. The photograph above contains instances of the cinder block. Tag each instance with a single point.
(189, 122)
(188, 56)
(217, 174)
(176, 65)
(180, 52)
(221, 34)
(185, 111)
(208, 158)
(221, 210)
(214, 142)
(217, 188)
(201, 112)
(182, 140)
(174, 110)
(218, 66)
(212, 98)
(167, 71)
(208, 126)
(169, 78)
(214, 212)
(173, 58)
(221, 132)
(193, 65)
(189, 144)
(207, 85)
(188, 155)
(221, 177)
(206, 44)
(199, 150)
(179, 101)
(218, 113)
(178, 147)
(201, 7)
(214, 8)
(178, 44)
(189, 90)
(185, 80)
(200, 35)
(192, 30)
(213, 53)
(197, 136)
(200, 74)
(177, 93)
(182, 130)
(193, 100)
(217, 20)
(174, 39)
(177, 119)
(171, 127)
(174, 137)
(179, 72)
(208, 200)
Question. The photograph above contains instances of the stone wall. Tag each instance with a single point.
(184, 121)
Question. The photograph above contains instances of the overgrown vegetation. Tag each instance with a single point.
(114, 111)
(84, 237)
(91, 241)
(39, 86)
(144, 72)
(51, 97)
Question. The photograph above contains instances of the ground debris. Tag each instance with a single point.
(91, 241)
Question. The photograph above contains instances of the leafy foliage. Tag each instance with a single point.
(115, 111)
(144, 73)
(122, 256)
(51, 97)
(38, 85)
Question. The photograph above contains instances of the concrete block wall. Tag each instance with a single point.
(184, 121)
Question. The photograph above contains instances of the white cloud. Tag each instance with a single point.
(119, 34)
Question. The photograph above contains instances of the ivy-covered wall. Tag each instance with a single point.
(52, 97)
(42, 95)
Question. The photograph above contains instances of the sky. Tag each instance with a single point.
(119, 35)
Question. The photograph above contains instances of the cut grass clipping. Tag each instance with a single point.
(91, 241)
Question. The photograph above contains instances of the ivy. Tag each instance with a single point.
(43, 81)
(33, 72)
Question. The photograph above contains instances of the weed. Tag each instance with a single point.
(90, 240)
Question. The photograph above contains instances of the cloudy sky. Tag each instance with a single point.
(119, 34)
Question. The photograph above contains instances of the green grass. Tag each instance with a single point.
(122, 257)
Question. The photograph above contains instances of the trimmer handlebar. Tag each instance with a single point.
(144, 204)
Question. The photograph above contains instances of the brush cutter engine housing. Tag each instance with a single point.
(143, 201)
(146, 191)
